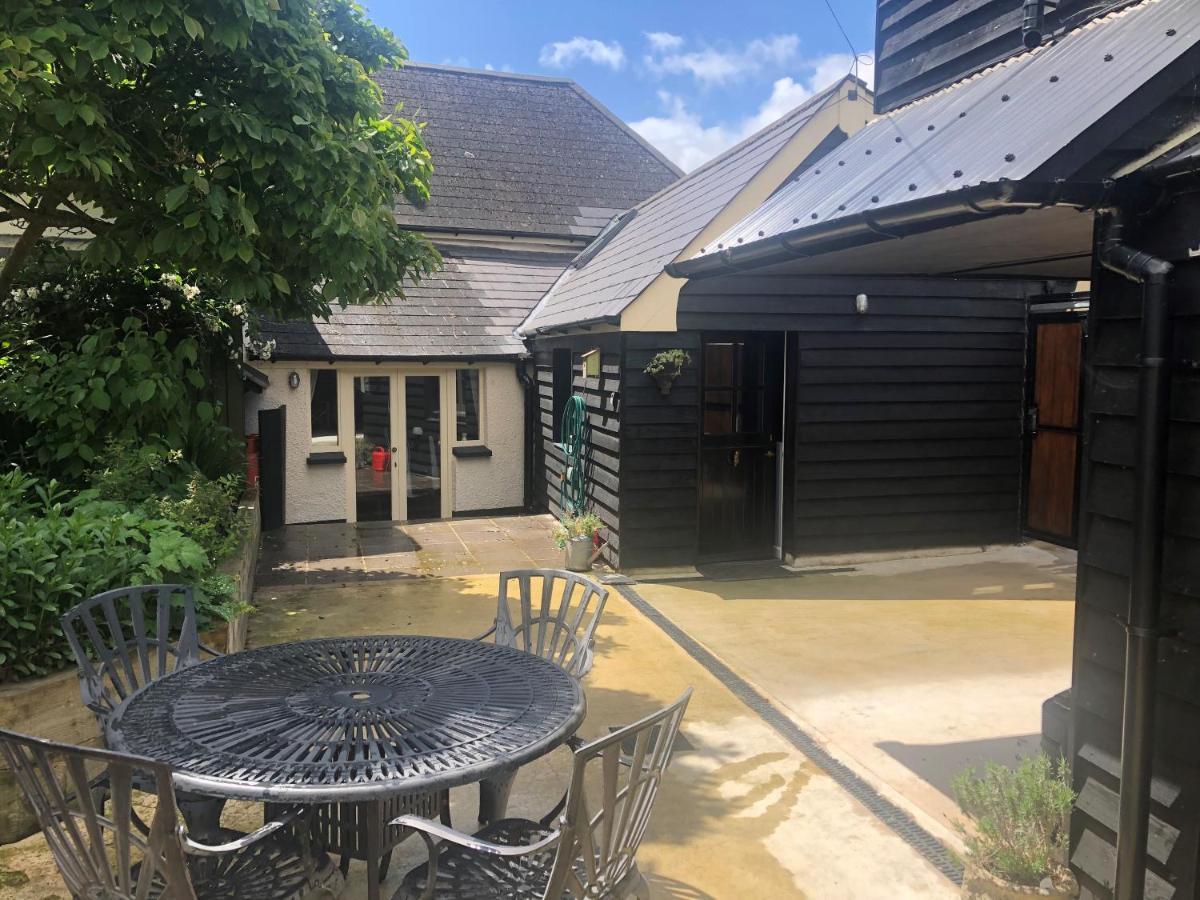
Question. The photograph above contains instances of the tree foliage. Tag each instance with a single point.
(239, 139)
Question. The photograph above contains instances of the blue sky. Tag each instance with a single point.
(693, 77)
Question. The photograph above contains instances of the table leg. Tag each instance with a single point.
(202, 814)
(493, 796)
(373, 810)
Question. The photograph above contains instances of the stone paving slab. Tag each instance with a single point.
(339, 553)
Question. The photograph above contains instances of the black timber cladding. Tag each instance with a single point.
(466, 310)
(1105, 554)
(1037, 118)
(923, 45)
(906, 421)
(521, 154)
(603, 492)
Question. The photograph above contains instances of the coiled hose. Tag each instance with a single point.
(577, 450)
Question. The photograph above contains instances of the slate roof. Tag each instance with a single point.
(468, 310)
(663, 226)
(1005, 124)
(521, 153)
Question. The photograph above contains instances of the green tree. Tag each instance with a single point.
(239, 139)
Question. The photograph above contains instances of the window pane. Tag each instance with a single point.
(468, 405)
(324, 405)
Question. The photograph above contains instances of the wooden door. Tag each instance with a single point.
(741, 415)
(1054, 429)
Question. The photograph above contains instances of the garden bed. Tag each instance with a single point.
(50, 707)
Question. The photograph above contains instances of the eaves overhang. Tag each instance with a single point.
(894, 223)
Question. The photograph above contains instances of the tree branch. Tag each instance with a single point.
(38, 222)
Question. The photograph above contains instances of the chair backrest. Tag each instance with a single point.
(122, 641)
(113, 853)
(609, 803)
(559, 624)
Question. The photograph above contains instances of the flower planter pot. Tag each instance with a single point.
(579, 554)
(664, 380)
(979, 884)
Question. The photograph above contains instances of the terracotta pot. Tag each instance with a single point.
(979, 884)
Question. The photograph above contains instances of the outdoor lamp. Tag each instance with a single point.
(860, 304)
(293, 380)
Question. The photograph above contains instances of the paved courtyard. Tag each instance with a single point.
(907, 670)
(333, 553)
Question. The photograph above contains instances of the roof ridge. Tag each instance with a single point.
(485, 73)
(627, 129)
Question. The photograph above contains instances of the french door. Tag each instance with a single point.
(401, 464)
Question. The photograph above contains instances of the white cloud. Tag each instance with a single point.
(689, 142)
(561, 54)
(663, 40)
(718, 65)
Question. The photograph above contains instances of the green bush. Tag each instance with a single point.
(1020, 817)
(58, 548)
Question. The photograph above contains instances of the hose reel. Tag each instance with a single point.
(577, 457)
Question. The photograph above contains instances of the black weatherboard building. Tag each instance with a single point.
(1065, 150)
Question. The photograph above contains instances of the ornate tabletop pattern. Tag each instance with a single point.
(337, 718)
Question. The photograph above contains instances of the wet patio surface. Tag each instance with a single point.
(340, 553)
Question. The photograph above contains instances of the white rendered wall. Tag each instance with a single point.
(318, 493)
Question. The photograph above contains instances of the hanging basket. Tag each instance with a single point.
(665, 380)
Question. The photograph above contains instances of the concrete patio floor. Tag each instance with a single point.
(907, 671)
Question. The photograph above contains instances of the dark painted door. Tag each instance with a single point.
(741, 412)
(1054, 429)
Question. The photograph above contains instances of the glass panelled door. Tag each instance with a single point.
(374, 466)
(423, 436)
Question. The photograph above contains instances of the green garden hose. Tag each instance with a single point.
(577, 450)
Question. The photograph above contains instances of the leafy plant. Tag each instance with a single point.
(584, 525)
(58, 548)
(668, 362)
(1019, 817)
(239, 138)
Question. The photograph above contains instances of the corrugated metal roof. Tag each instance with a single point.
(1001, 125)
(521, 153)
(469, 309)
(663, 226)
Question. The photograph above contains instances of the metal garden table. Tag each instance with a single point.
(351, 720)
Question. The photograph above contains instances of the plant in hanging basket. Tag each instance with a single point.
(1017, 838)
(665, 366)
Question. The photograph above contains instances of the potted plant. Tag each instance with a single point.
(665, 366)
(577, 535)
(1017, 838)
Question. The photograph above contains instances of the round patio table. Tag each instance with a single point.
(351, 720)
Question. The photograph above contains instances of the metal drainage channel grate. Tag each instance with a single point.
(883, 809)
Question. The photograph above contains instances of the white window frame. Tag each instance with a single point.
(482, 402)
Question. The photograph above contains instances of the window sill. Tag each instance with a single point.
(471, 451)
(331, 458)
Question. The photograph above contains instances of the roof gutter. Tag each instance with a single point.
(1145, 583)
(566, 327)
(893, 223)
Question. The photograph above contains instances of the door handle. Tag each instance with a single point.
(1032, 420)
(737, 458)
(770, 454)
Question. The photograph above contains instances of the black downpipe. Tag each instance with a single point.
(1145, 583)
(531, 431)
(1033, 23)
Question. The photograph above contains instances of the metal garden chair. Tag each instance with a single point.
(589, 852)
(558, 623)
(118, 855)
(122, 640)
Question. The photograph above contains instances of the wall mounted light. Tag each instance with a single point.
(293, 380)
(861, 303)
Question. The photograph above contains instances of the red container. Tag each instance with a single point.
(380, 458)
(252, 459)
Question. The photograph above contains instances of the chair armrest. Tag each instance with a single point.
(487, 633)
(204, 648)
(472, 842)
(198, 849)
